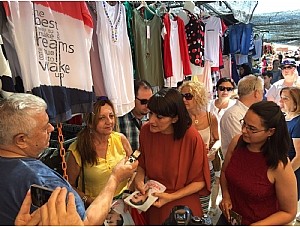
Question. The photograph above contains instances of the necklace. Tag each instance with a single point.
(114, 29)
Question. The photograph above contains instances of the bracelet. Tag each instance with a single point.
(84, 199)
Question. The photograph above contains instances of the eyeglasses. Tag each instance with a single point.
(249, 128)
(287, 67)
(187, 96)
(222, 88)
(143, 101)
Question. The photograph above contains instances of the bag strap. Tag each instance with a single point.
(136, 123)
(209, 123)
(82, 180)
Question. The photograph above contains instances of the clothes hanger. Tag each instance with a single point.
(144, 5)
(172, 14)
(204, 15)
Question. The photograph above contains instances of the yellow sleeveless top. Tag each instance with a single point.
(96, 176)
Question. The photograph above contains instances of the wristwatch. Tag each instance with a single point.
(84, 199)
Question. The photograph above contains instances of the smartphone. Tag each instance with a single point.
(133, 157)
(39, 195)
(235, 218)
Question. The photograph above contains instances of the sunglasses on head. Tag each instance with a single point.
(287, 67)
(143, 101)
(222, 88)
(187, 96)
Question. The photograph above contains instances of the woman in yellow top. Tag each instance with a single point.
(100, 149)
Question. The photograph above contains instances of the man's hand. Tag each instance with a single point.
(57, 212)
(24, 217)
(123, 171)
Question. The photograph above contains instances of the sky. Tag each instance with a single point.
(268, 6)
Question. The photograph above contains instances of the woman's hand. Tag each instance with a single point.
(140, 186)
(163, 198)
(211, 156)
(225, 206)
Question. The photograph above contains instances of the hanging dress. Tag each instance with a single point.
(148, 50)
(115, 55)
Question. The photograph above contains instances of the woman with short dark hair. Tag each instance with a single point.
(245, 70)
(172, 153)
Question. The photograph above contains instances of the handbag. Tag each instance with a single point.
(217, 161)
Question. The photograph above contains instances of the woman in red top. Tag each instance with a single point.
(257, 178)
(172, 153)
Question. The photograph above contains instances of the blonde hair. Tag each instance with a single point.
(198, 90)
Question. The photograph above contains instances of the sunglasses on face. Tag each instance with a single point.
(222, 88)
(287, 67)
(187, 96)
(143, 101)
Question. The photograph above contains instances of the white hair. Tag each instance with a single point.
(17, 113)
(250, 83)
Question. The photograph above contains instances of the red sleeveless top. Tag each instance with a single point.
(252, 194)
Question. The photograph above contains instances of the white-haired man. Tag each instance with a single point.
(250, 90)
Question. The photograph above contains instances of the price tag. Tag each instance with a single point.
(148, 32)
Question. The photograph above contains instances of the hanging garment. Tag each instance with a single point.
(226, 71)
(53, 40)
(6, 81)
(241, 38)
(195, 39)
(148, 50)
(176, 58)
(213, 32)
(129, 17)
(258, 43)
(10, 51)
(206, 78)
(115, 55)
(221, 63)
(96, 67)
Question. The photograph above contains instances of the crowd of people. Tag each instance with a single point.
(256, 124)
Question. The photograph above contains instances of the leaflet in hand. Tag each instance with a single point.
(143, 202)
(117, 216)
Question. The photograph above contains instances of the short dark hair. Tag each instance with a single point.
(120, 222)
(225, 79)
(141, 83)
(139, 203)
(168, 102)
(268, 74)
(247, 69)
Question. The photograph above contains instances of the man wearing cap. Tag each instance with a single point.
(291, 79)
